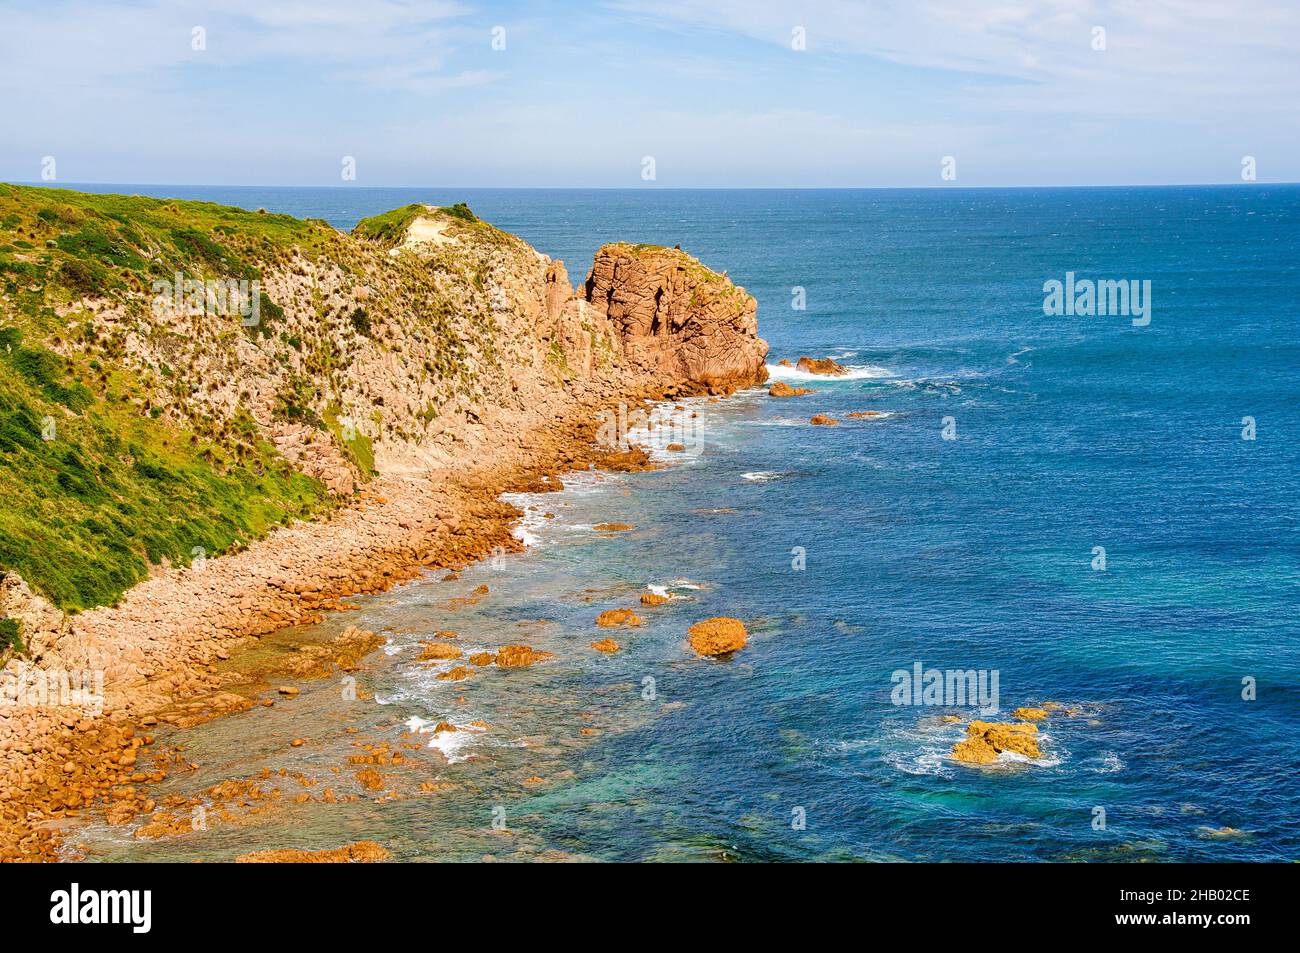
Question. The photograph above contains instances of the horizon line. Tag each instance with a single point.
(652, 188)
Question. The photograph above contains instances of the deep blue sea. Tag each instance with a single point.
(978, 552)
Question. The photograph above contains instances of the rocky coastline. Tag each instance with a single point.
(550, 364)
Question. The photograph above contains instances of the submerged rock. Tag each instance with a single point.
(1030, 714)
(456, 674)
(782, 389)
(612, 618)
(362, 852)
(717, 636)
(605, 645)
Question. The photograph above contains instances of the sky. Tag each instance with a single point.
(717, 93)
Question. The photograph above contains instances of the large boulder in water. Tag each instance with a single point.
(985, 740)
(717, 636)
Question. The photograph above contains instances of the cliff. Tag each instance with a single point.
(141, 426)
(677, 318)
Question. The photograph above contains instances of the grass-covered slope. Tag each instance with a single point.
(136, 429)
(96, 483)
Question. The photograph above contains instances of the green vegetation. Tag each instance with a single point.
(390, 228)
(95, 493)
(11, 637)
(358, 447)
(98, 482)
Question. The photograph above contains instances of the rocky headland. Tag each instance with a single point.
(185, 478)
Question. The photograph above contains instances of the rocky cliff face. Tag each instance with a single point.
(675, 317)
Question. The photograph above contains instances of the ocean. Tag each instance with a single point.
(1100, 511)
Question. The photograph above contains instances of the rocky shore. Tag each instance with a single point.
(548, 364)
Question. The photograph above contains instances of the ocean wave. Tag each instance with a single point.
(766, 476)
(673, 588)
(450, 743)
(854, 372)
(1110, 763)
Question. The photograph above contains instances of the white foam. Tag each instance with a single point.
(764, 476)
(450, 743)
(853, 372)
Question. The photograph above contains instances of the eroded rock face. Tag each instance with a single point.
(674, 315)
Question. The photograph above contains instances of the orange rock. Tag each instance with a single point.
(1030, 714)
(821, 420)
(986, 740)
(718, 636)
(519, 656)
(613, 527)
(482, 658)
(605, 645)
(437, 652)
(456, 674)
(653, 599)
(362, 852)
(859, 414)
(782, 389)
(822, 365)
(615, 617)
(370, 779)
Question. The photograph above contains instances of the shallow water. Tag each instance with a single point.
(973, 553)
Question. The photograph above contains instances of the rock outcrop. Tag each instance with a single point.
(519, 656)
(675, 316)
(717, 636)
(822, 365)
(986, 740)
(782, 389)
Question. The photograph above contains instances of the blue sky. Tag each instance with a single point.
(1018, 93)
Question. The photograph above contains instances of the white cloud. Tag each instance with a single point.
(1160, 56)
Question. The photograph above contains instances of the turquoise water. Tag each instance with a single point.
(972, 553)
